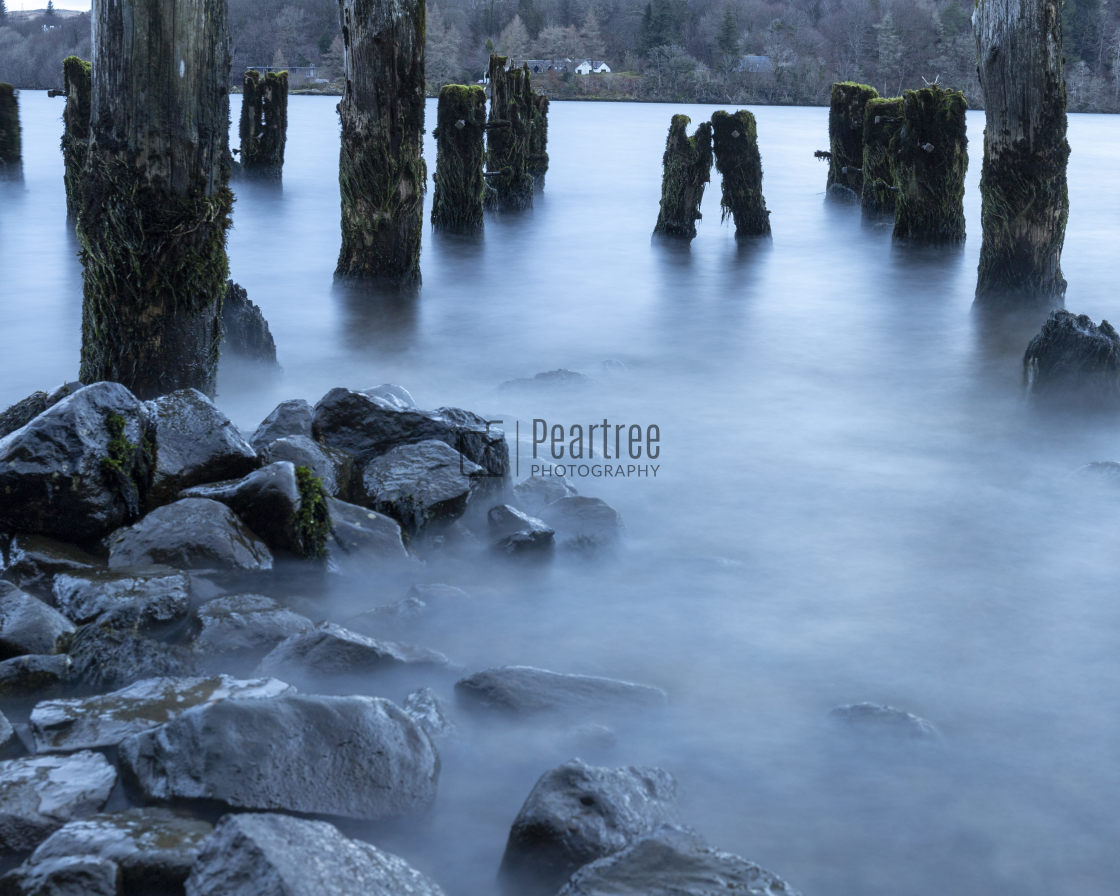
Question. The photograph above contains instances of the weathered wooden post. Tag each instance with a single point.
(538, 139)
(687, 167)
(75, 128)
(507, 137)
(1025, 200)
(846, 108)
(460, 187)
(735, 141)
(155, 200)
(882, 121)
(380, 172)
(264, 123)
(929, 158)
(11, 164)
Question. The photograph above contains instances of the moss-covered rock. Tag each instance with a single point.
(460, 187)
(929, 158)
(882, 122)
(264, 123)
(76, 74)
(846, 108)
(508, 137)
(735, 141)
(10, 153)
(687, 168)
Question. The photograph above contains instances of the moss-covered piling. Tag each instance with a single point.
(264, 123)
(76, 82)
(509, 183)
(10, 152)
(882, 122)
(1024, 194)
(735, 143)
(929, 158)
(155, 200)
(460, 187)
(538, 139)
(381, 173)
(846, 108)
(687, 167)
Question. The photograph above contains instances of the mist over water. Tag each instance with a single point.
(853, 501)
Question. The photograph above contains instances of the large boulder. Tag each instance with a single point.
(361, 538)
(34, 561)
(1074, 362)
(877, 720)
(34, 675)
(84, 723)
(245, 624)
(195, 443)
(153, 850)
(277, 855)
(144, 599)
(245, 332)
(79, 469)
(106, 657)
(39, 794)
(65, 876)
(193, 533)
(23, 412)
(289, 418)
(332, 467)
(525, 690)
(674, 862)
(420, 483)
(27, 625)
(577, 813)
(355, 757)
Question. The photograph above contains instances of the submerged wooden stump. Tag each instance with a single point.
(1024, 195)
(10, 153)
(510, 185)
(75, 128)
(846, 108)
(735, 141)
(688, 166)
(155, 201)
(538, 139)
(929, 158)
(264, 123)
(882, 122)
(460, 187)
(381, 173)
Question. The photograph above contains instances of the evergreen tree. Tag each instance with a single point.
(514, 40)
(727, 39)
(3, 13)
(50, 8)
(530, 17)
(590, 36)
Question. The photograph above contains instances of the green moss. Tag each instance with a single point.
(687, 165)
(846, 108)
(10, 140)
(460, 187)
(882, 121)
(76, 78)
(538, 139)
(508, 137)
(735, 142)
(127, 467)
(313, 523)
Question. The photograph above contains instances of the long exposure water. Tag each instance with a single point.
(854, 502)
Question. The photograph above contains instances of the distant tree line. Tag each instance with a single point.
(723, 51)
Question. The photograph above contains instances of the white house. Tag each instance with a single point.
(587, 66)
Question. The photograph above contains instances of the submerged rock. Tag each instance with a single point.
(550, 379)
(245, 624)
(523, 690)
(375, 761)
(1072, 361)
(128, 598)
(106, 658)
(289, 418)
(39, 794)
(884, 721)
(277, 855)
(107, 719)
(537, 492)
(27, 625)
(34, 675)
(577, 813)
(583, 522)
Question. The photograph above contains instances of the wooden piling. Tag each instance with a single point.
(735, 143)
(460, 187)
(687, 165)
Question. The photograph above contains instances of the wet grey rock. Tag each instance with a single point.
(398, 396)
(525, 690)
(39, 794)
(331, 650)
(267, 500)
(127, 598)
(361, 538)
(420, 483)
(537, 492)
(245, 624)
(54, 473)
(550, 379)
(517, 534)
(34, 675)
(537, 544)
(877, 720)
(10, 745)
(1101, 470)
(428, 712)
(332, 467)
(1074, 362)
(195, 443)
(289, 418)
(674, 862)
(583, 522)
(245, 332)
(23, 412)
(578, 813)
(388, 617)
(27, 625)
(505, 519)
(437, 593)
(105, 720)
(106, 658)
(34, 560)
(277, 855)
(154, 849)
(374, 761)
(193, 533)
(64, 876)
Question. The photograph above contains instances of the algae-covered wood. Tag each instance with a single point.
(460, 186)
(687, 167)
(735, 142)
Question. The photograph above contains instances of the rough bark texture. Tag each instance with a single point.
(264, 123)
(381, 173)
(460, 185)
(75, 131)
(929, 158)
(1023, 182)
(155, 201)
(735, 140)
(846, 108)
(688, 166)
(10, 159)
(538, 139)
(508, 137)
(882, 122)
